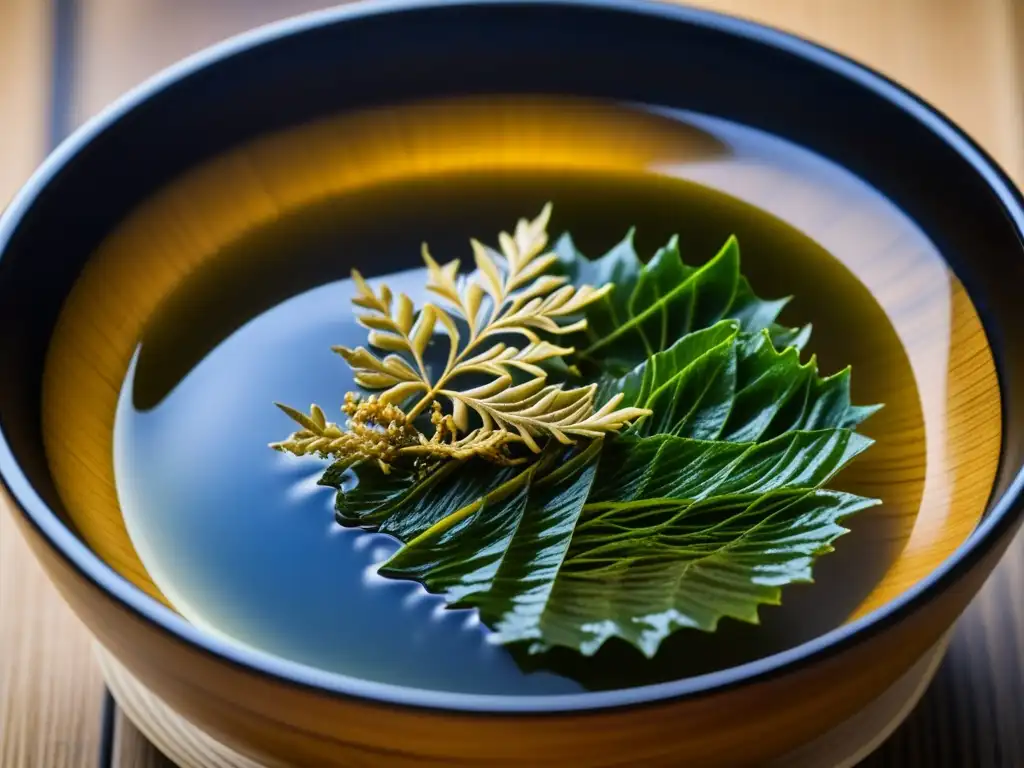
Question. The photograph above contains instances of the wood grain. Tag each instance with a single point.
(958, 53)
(132, 749)
(50, 689)
(191, 748)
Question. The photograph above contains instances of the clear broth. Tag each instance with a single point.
(244, 544)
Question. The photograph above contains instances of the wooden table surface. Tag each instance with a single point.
(61, 61)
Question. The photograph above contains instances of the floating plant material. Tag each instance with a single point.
(609, 448)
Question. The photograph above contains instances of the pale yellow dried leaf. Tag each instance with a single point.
(453, 334)
(541, 351)
(402, 391)
(474, 298)
(404, 314)
(374, 380)
(542, 286)
(533, 270)
(509, 249)
(424, 329)
(302, 419)
(461, 415)
(360, 357)
(492, 352)
(398, 367)
(388, 341)
(376, 322)
(581, 299)
(442, 280)
(491, 275)
(317, 415)
(490, 389)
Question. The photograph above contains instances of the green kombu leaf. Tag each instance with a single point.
(642, 576)
(704, 509)
(637, 538)
(635, 470)
(405, 505)
(721, 384)
(656, 304)
(504, 556)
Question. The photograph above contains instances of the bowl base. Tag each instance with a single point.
(842, 747)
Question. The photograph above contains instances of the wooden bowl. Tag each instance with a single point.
(161, 183)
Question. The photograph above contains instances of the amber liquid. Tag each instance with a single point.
(242, 541)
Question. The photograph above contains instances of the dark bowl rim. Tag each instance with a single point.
(999, 519)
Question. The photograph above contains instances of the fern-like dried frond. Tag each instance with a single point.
(393, 374)
(492, 446)
(499, 359)
(533, 409)
(382, 432)
(375, 431)
(508, 295)
(521, 299)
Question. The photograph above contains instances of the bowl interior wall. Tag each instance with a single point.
(514, 49)
(931, 505)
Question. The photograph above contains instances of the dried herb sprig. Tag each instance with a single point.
(510, 294)
(382, 432)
